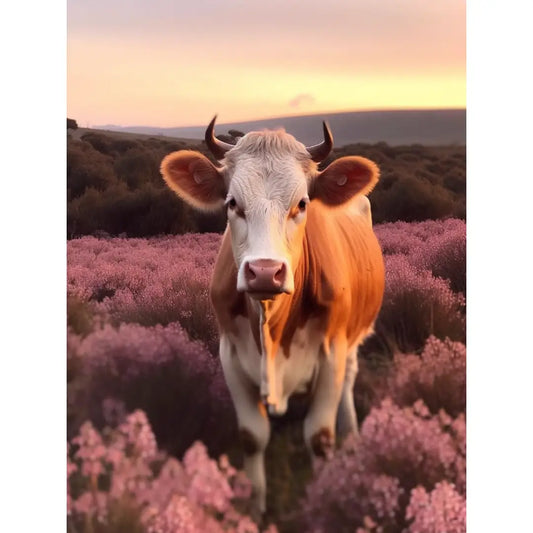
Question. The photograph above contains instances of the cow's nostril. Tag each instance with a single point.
(279, 276)
(250, 273)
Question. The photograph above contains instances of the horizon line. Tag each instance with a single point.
(277, 117)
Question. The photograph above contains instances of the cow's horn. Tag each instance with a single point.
(217, 147)
(319, 152)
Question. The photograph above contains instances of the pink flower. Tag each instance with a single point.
(442, 509)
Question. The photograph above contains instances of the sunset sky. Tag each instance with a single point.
(175, 63)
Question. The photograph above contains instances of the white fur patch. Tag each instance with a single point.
(286, 376)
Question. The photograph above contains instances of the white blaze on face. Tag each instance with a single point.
(267, 201)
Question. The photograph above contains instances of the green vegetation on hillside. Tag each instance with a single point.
(114, 185)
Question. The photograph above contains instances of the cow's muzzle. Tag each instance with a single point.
(265, 278)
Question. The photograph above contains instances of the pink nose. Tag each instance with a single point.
(265, 275)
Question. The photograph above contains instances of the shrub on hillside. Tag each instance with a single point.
(137, 166)
(148, 210)
(438, 246)
(408, 237)
(445, 256)
(100, 142)
(174, 380)
(442, 509)
(369, 482)
(87, 169)
(437, 376)
(455, 181)
(417, 305)
(148, 282)
(411, 199)
(118, 480)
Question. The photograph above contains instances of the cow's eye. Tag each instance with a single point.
(232, 206)
(302, 204)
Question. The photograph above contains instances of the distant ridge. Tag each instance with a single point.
(427, 126)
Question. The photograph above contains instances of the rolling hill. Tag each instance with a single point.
(402, 127)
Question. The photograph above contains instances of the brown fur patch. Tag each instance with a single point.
(249, 444)
(322, 442)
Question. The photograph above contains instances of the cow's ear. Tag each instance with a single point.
(193, 177)
(343, 179)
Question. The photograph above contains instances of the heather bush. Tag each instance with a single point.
(409, 237)
(118, 210)
(368, 482)
(118, 480)
(87, 168)
(437, 246)
(412, 199)
(100, 142)
(437, 377)
(148, 282)
(159, 369)
(443, 509)
(445, 256)
(136, 166)
(417, 305)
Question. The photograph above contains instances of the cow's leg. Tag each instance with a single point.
(254, 426)
(346, 416)
(319, 424)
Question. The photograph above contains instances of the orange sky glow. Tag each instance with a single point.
(165, 63)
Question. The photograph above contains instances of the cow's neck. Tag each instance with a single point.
(277, 322)
(268, 350)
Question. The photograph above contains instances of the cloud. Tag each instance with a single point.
(302, 99)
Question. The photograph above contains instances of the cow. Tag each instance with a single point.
(297, 283)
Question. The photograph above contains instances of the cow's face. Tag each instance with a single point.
(267, 199)
(266, 184)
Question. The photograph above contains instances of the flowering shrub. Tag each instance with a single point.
(368, 482)
(437, 376)
(160, 370)
(445, 256)
(443, 509)
(417, 305)
(437, 246)
(120, 479)
(146, 281)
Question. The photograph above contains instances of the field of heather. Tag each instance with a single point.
(152, 434)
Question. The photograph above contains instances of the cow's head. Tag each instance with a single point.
(266, 182)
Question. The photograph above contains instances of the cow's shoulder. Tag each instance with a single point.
(339, 245)
(345, 271)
